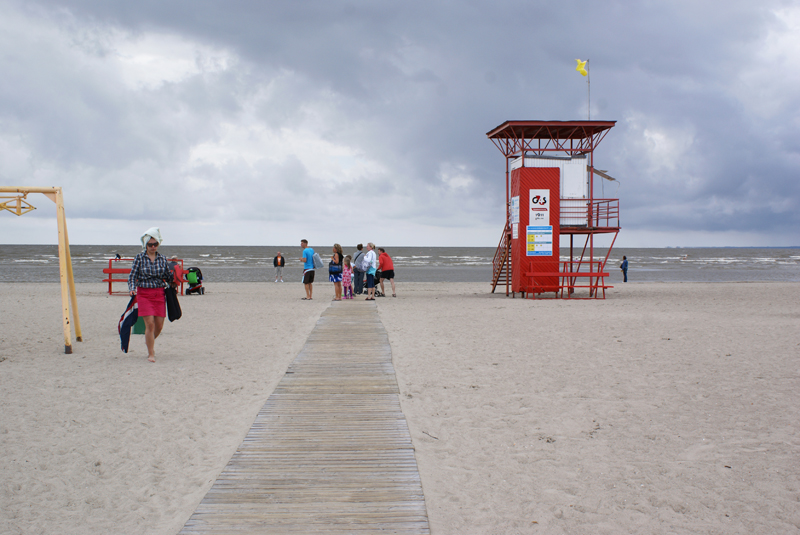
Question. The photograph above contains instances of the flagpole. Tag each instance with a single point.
(589, 88)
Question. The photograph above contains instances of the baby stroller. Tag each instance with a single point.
(378, 292)
(195, 279)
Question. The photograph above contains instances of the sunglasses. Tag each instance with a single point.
(152, 244)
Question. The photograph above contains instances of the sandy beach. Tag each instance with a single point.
(666, 408)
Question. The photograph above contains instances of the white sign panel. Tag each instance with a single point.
(515, 217)
(540, 240)
(515, 209)
(539, 207)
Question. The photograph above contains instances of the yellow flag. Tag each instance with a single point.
(581, 68)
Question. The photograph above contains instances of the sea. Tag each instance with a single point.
(39, 263)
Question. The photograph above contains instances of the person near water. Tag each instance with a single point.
(358, 275)
(372, 267)
(278, 262)
(335, 271)
(308, 268)
(387, 270)
(624, 268)
(146, 281)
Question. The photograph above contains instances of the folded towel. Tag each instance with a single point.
(154, 233)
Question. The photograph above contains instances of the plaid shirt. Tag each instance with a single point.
(148, 274)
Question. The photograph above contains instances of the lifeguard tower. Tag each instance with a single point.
(550, 176)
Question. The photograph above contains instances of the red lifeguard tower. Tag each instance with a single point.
(550, 192)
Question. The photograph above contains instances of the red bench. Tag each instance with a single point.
(111, 271)
(593, 288)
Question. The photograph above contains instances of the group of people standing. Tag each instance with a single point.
(151, 273)
(347, 272)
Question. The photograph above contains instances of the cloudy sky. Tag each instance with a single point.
(256, 122)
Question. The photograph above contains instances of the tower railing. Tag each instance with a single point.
(598, 213)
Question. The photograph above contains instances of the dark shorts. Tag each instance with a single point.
(370, 281)
(388, 274)
(308, 277)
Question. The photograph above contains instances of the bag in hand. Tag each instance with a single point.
(173, 306)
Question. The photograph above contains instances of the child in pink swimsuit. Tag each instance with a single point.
(347, 278)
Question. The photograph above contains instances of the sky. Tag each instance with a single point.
(262, 123)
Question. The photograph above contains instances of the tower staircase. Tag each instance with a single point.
(501, 263)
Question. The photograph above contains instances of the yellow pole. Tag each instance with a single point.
(71, 281)
(64, 261)
(62, 269)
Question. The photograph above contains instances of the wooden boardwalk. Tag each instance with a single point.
(330, 451)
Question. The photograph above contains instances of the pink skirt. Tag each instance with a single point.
(151, 302)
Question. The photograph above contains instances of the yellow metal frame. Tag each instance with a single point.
(64, 257)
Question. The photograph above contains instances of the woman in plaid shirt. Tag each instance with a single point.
(146, 282)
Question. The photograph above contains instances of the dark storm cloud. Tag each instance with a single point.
(415, 86)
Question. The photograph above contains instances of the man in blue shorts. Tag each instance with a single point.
(308, 268)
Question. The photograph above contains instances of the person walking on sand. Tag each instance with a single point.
(358, 275)
(308, 268)
(624, 268)
(335, 271)
(347, 278)
(278, 262)
(372, 267)
(149, 271)
(387, 270)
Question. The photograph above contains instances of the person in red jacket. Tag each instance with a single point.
(387, 270)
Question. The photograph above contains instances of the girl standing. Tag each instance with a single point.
(347, 278)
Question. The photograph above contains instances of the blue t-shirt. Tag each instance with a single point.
(308, 257)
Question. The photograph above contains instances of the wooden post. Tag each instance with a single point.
(62, 271)
(71, 281)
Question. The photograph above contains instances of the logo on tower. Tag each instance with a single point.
(539, 207)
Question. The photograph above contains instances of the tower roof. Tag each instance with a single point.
(549, 129)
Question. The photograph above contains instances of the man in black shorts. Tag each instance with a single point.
(387, 270)
(308, 268)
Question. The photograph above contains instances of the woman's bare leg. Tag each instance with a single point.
(150, 336)
(337, 286)
(159, 326)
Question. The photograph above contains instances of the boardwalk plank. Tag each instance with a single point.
(330, 451)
